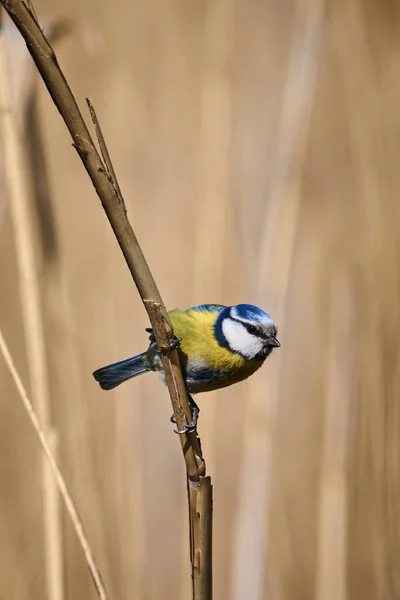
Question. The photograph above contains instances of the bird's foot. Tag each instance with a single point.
(173, 345)
(193, 425)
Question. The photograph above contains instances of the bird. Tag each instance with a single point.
(217, 346)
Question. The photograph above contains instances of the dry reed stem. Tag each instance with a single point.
(209, 263)
(108, 191)
(276, 255)
(200, 506)
(62, 486)
(331, 572)
(18, 193)
(363, 104)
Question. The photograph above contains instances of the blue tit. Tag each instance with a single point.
(220, 345)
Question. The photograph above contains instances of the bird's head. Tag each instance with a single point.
(246, 330)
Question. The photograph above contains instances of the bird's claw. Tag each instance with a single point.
(191, 428)
(186, 429)
(173, 345)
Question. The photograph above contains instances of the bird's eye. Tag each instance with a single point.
(251, 328)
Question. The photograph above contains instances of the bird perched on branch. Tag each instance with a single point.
(217, 346)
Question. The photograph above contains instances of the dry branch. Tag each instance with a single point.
(104, 181)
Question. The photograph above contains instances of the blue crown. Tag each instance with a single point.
(248, 312)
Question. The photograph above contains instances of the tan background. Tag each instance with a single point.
(257, 145)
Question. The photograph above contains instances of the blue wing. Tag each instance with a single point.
(210, 307)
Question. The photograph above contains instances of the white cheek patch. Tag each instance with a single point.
(240, 340)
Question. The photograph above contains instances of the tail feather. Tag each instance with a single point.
(112, 375)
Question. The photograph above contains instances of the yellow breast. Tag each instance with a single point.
(196, 328)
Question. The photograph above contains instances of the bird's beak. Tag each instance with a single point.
(272, 341)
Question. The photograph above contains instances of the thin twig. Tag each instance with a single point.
(103, 148)
(32, 9)
(62, 486)
(200, 496)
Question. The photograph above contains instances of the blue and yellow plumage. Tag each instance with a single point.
(220, 346)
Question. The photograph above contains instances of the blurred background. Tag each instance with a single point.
(256, 144)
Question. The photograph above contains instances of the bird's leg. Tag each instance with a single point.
(173, 345)
(192, 426)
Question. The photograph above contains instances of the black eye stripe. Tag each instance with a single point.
(257, 332)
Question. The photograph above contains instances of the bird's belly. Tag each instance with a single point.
(208, 379)
(199, 377)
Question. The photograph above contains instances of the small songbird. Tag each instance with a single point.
(220, 345)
